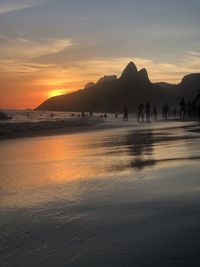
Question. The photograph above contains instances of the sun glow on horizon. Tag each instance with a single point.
(58, 92)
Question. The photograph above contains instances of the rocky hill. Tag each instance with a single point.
(111, 94)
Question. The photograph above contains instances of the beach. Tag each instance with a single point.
(99, 133)
(116, 194)
(37, 123)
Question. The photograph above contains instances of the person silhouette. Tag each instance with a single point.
(140, 112)
(155, 113)
(165, 110)
(148, 111)
(182, 105)
(125, 113)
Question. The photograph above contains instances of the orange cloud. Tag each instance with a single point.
(25, 84)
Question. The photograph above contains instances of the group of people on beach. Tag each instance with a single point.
(189, 108)
(148, 112)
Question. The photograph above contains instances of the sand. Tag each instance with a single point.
(119, 196)
(34, 128)
(49, 127)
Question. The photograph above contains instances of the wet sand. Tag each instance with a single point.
(70, 125)
(10, 130)
(125, 196)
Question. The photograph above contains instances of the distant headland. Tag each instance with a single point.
(111, 94)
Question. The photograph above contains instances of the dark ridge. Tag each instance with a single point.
(129, 72)
(110, 94)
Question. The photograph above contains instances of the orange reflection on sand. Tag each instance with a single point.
(36, 164)
(39, 170)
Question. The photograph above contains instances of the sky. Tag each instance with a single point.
(50, 47)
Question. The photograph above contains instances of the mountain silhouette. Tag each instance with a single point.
(111, 94)
(130, 73)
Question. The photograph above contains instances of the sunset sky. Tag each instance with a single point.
(49, 47)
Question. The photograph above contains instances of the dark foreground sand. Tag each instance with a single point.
(127, 196)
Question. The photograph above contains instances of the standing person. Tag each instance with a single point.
(125, 113)
(148, 111)
(165, 110)
(198, 104)
(182, 105)
(140, 112)
(155, 113)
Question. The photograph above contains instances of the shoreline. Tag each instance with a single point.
(9, 131)
(17, 130)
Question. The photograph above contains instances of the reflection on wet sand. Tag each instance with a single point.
(137, 146)
(150, 147)
(52, 161)
(141, 148)
(79, 200)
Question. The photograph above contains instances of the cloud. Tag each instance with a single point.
(14, 5)
(33, 80)
(13, 68)
(158, 71)
(195, 53)
(75, 74)
(28, 49)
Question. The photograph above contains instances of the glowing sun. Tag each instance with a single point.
(57, 92)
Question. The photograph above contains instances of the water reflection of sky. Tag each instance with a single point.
(150, 147)
(35, 169)
(101, 199)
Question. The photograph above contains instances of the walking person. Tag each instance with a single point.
(165, 110)
(155, 113)
(140, 112)
(125, 114)
(182, 105)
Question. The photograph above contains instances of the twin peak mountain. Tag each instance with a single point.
(111, 94)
